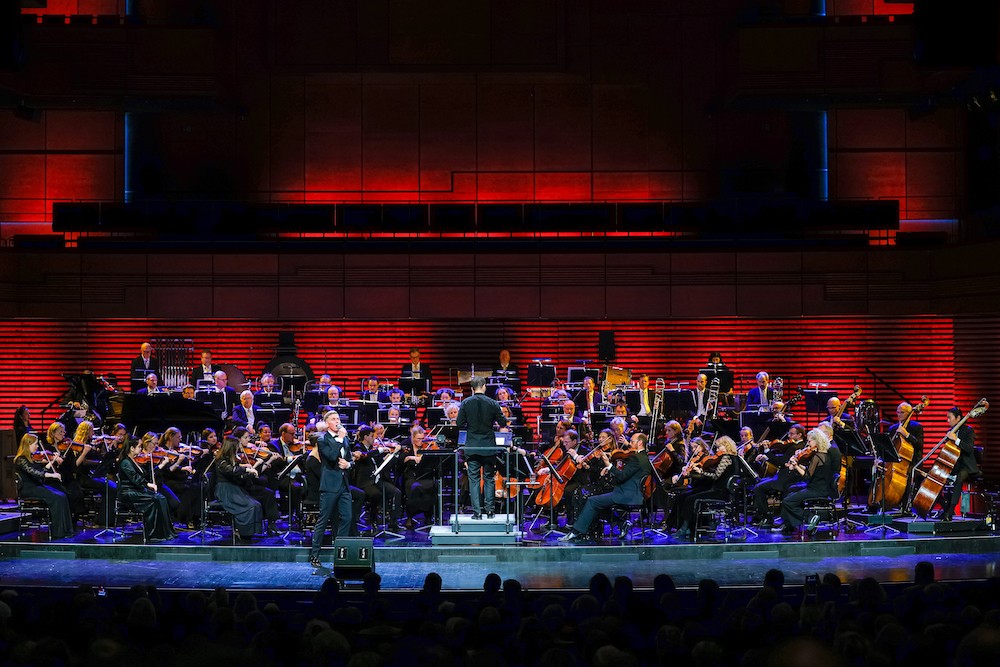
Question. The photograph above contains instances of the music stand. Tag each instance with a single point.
(759, 421)
(380, 483)
(885, 452)
(745, 472)
(816, 400)
(677, 400)
(541, 376)
(849, 443)
(414, 386)
(287, 470)
(724, 374)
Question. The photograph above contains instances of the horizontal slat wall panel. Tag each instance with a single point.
(915, 355)
(977, 372)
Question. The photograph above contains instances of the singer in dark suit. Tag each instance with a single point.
(334, 488)
(142, 366)
(477, 415)
(627, 483)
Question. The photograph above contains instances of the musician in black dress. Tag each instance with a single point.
(231, 488)
(819, 475)
(723, 467)
(22, 422)
(776, 453)
(964, 438)
(40, 481)
(55, 437)
(418, 480)
(259, 487)
(136, 488)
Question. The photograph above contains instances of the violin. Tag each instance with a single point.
(191, 450)
(800, 456)
(156, 456)
(711, 462)
(300, 446)
(68, 445)
(40, 456)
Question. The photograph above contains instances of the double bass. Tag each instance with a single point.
(892, 488)
(935, 480)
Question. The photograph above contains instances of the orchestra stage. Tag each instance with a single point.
(968, 552)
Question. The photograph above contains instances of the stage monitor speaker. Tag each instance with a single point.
(353, 557)
(606, 348)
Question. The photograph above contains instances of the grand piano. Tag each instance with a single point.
(142, 413)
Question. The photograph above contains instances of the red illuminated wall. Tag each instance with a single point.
(946, 358)
(472, 102)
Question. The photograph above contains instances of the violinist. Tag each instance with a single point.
(379, 490)
(777, 453)
(746, 445)
(418, 480)
(291, 483)
(820, 474)
(716, 470)
(232, 488)
(37, 479)
(250, 457)
(65, 457)
(668, 462)
(92, 470)
(172, 470)
(627, 484)
(137, 488)
(695, 483)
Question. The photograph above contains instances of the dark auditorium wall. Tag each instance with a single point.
(473, 100)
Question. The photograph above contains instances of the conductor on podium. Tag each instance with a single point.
(477, 415)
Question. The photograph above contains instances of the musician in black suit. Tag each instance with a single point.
(627, 483)
(152, 386)
(206, 370)
(588, 399)
(646, 398)
(477, 415)
(378, 490)
(334, 488)
(964, 438)
(506, 369)
(913, 433)
(243, 414)
(700, 396)
(228, 398)
(762, 394)
(142, 366)
(417, 370)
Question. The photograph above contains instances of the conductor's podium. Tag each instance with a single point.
(501, 529)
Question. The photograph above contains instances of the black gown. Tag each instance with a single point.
(231, 489)
(133, 492)
(33, 484)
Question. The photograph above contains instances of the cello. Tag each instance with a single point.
(935, 480)
(896, 475)
(551, 495)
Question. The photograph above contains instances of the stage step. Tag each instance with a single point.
(914, 525)
(10, 522)
(483, 531)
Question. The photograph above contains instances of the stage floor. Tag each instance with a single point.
(274, 563)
